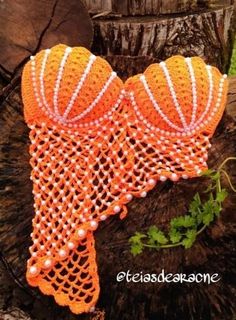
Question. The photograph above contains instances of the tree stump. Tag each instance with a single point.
(139, 7)
(28, 26)
(203, 32)
(213, 251)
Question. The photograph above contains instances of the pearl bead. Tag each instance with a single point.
(174, 177)
(47, 263)
(151, 181)
(62, 253)
(143, 194)
(163, 178)
(93, 224)
(92, 309)
(81, 233)
(33, 270)
(117, 209)
(129, 197)
(103, 217)
(70, 245)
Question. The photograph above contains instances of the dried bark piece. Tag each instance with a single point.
(14, 314)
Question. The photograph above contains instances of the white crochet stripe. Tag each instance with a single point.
(173, 94)
(38, 97)
(58, 80)
(42, 89)
(92, 58)
(156, 106)
(33, 74)
(96, 100)
(194, 90)
(210, 96)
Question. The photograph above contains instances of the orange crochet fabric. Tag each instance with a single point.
(96, 143)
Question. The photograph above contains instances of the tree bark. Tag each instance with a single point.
(28, 26)
(140, 7)
(205, 34)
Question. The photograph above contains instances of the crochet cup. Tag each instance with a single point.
(96, 143)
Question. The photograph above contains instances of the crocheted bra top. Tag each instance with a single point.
(97, 142)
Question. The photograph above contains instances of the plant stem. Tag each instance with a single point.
(216, 189)
(163, 246)
(202, 229)
(225, 161)
(229, 181)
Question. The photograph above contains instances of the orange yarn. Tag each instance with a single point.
(96, 143)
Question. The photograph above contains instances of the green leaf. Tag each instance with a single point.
(152, 231)
(208, 218)
(175, 236)
(215, 176)
(194, 205)
(136, 239)
(208, 206)
(156, 235)
(187, 243)
(191, 234)
(197, 199)
(136, 249)
(183, 222)
(217, 209)
(221, 195)
(211, 173)
(199, 218)
(184, 229)
(208, 173)
(136, 243)
(189, 221)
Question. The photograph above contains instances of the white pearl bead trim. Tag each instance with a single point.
(155, 104)
(210, 96)
(197, 125)
(58, 80)
(129, 197)
(81, 233)
(33, 270)
(92, 58)
(117, 209)
(62, 253)
(96, 100)
(92, 309)
(70, 245)
(194, 89)
(173, 94)
(42, 91)
(93, 224)
(43, 104)
(47, 263)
